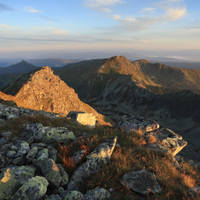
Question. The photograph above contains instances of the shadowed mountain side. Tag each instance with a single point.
(115, 94)
(6, 79)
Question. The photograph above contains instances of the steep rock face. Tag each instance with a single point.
(43, 90)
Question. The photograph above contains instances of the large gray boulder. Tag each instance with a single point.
(136, 123)
(34, 189)
(87, 119)
(142, 182)
(50, 171)
(94, 162)
(166, 140)
(23, 173)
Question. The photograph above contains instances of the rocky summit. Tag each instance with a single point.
(42, 90)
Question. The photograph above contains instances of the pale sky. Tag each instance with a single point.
(32, 25)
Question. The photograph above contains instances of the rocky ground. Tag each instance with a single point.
(31, 167)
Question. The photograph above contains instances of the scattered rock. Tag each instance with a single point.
(94, 162)
(74, 195)
(50, 171)
(44, 153)
(97, 194)
(34, 189)
(142, 182)
(50, 135)
(31, 154)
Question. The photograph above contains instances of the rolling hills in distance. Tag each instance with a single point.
(116, 86)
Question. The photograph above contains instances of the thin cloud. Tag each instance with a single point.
(4, 26)
(148, 10)
(169, 11)
(116, 17)
(4, 7)
(48, 18)
(101, 5)
(174, 14)
(32, 10)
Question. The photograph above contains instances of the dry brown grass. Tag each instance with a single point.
(152, 139)
(130, 156)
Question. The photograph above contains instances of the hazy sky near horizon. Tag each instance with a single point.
(31, 25)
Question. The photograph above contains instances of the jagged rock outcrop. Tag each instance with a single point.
(42, 90)
(137, 123)
(166, 140)
(94, 162)
(161, 139)
(142, 182)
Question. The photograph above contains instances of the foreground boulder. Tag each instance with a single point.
(136, 123)
(142, 182)
(34, 189)
(50, 171)
(166, 140)
(87, 119)
(94, 162)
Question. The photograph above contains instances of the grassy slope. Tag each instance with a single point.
(131, 155)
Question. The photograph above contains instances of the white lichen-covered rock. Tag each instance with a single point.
(142, 182)
(135, 123)
(97, 194)
(94, 162)
(34, 189)
(87, 119)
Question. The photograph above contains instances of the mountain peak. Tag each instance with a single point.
(42, 90)
(116, 64)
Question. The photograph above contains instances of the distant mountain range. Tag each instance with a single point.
(51, 62)
(21, 67)
(13, 72)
